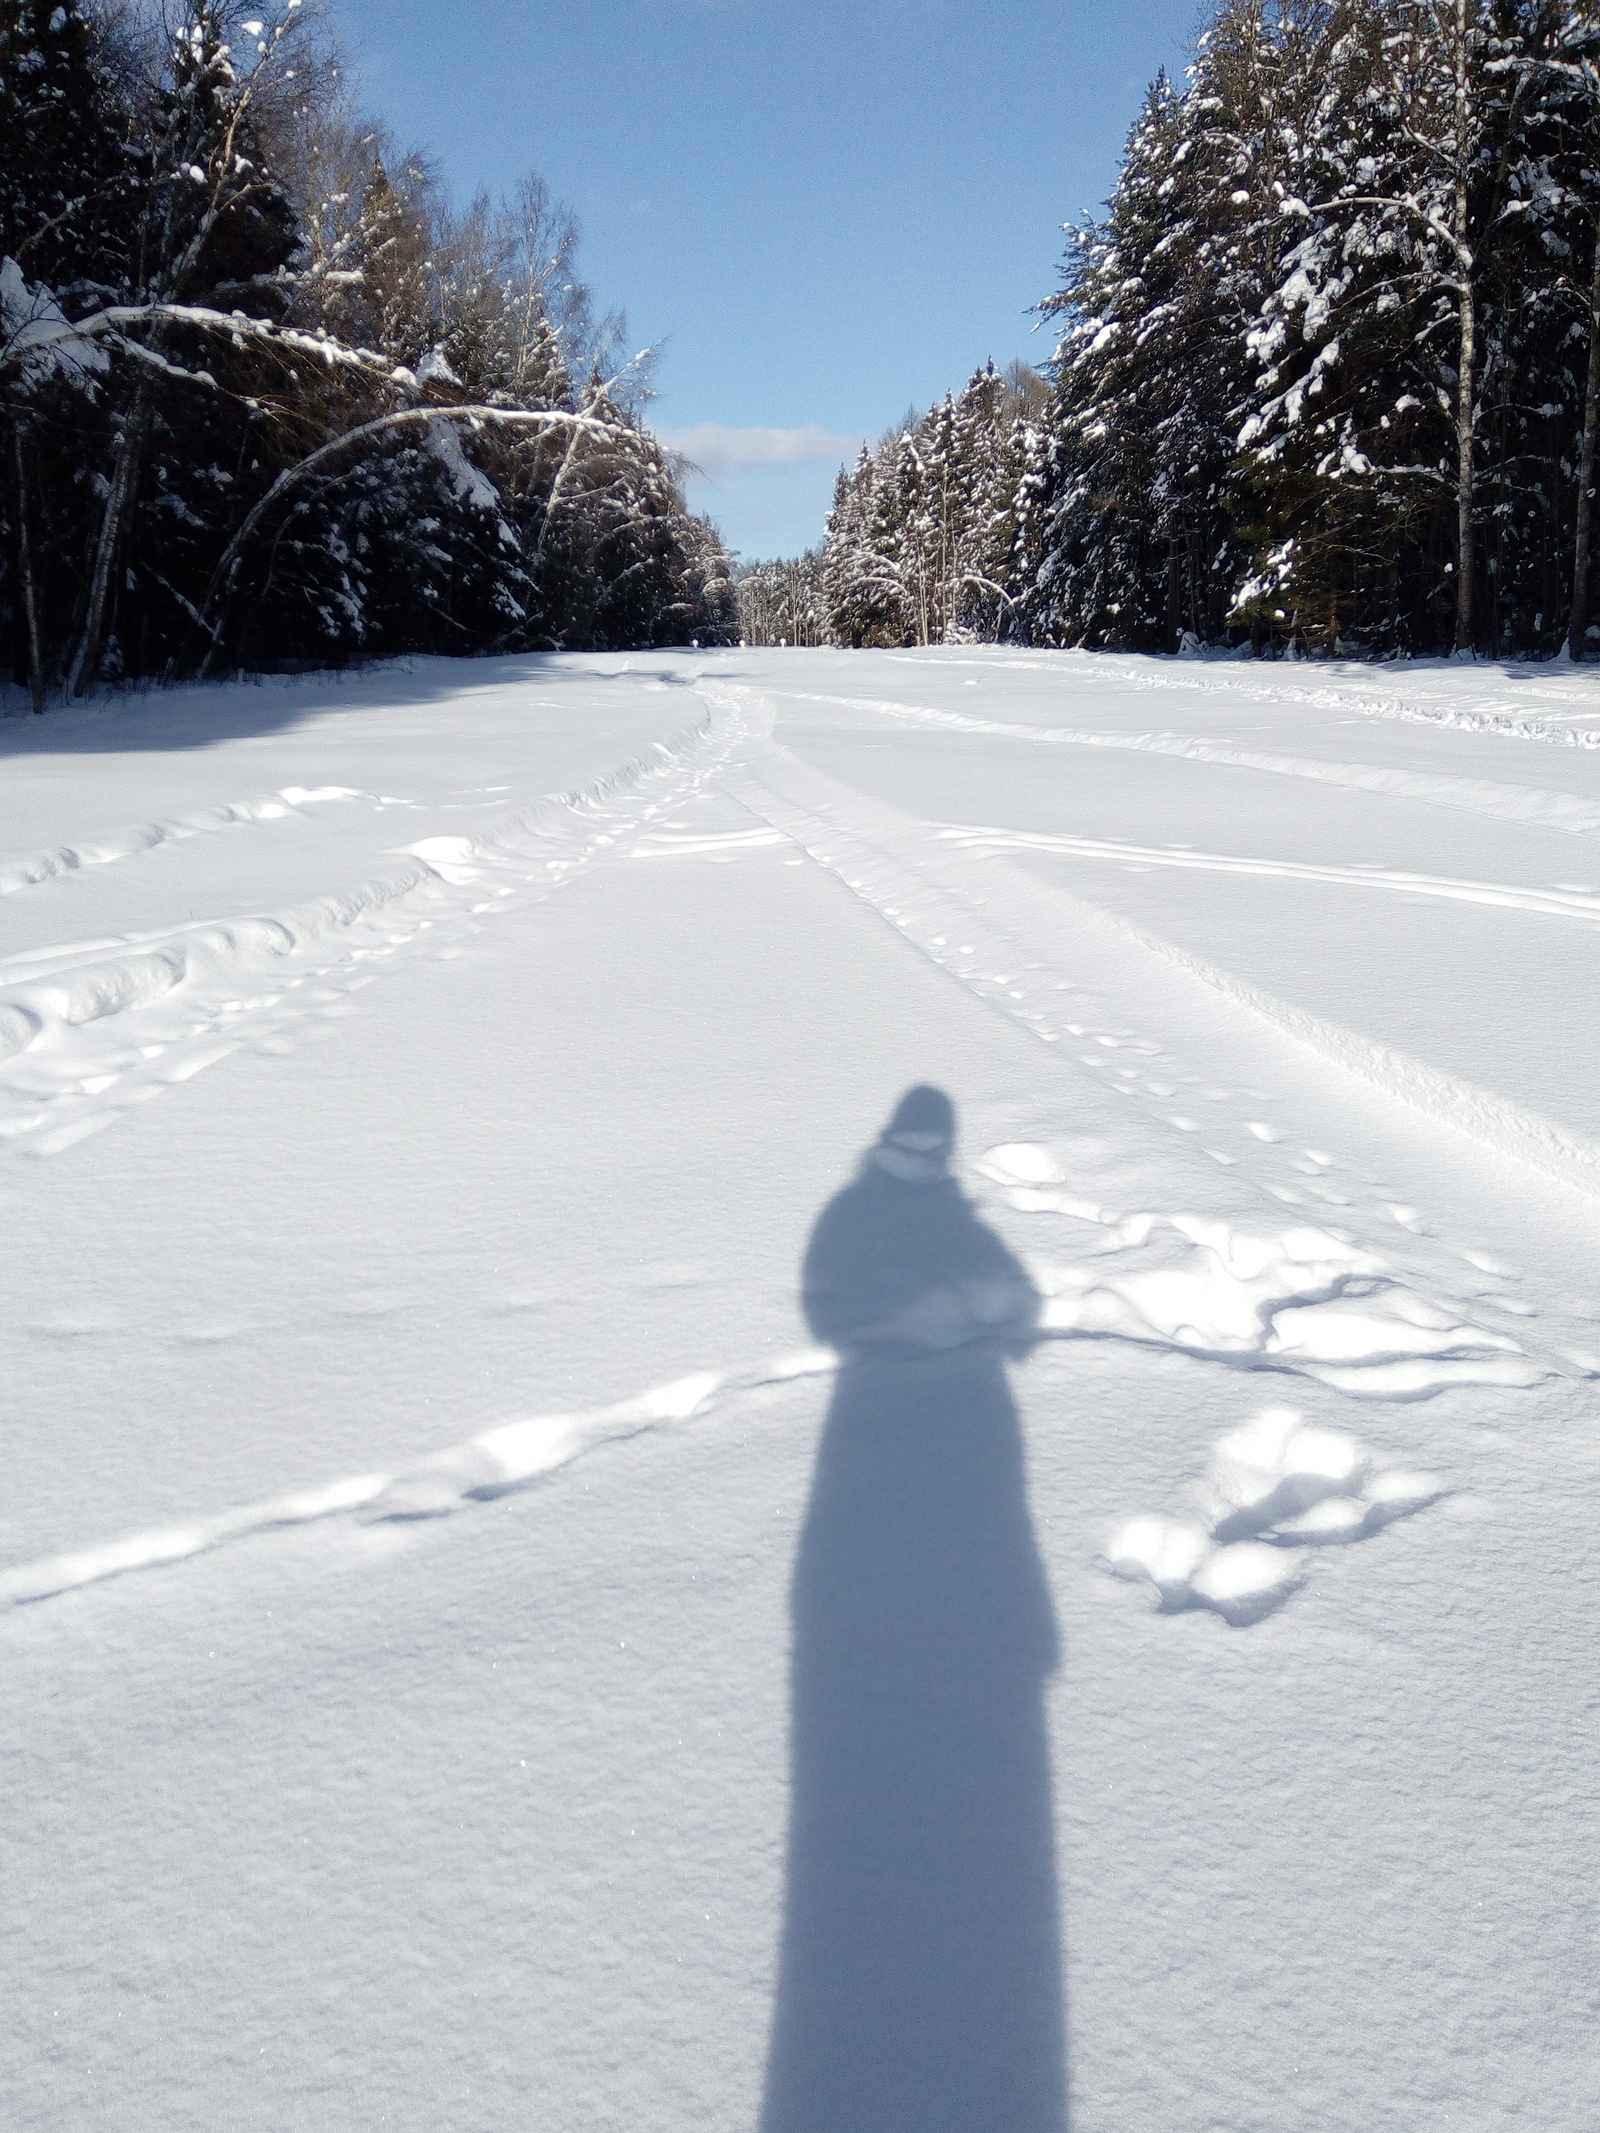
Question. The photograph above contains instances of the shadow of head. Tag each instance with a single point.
(900, 1261)
(919, 1139)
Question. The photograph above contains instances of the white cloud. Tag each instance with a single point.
(716, 450)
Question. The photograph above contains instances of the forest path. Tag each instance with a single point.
(508, 1724)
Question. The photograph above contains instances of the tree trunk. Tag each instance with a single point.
(1172, 622)
(29, 596)
(85, 667)
(1465, 556)
(1466, 377)
(1578, 629)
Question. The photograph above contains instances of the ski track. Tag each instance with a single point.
(830, 824)
(86, 1034)
(1474, 796)
(1505, 721)
(1548, 903)
(36, 867)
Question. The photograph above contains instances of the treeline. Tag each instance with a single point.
(784, 602)
(1329, 366)
(268, 398)
(927, 536)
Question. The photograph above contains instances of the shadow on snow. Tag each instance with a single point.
(920, 1980)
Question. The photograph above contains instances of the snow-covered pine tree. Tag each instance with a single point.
(852, 585)
(1396, 348)
(211, 233)
(841, 535)
(1140, 541)
(1559, 179)
(1538, 332)
(283, 402)
(783, 602)
(979, 595)
(66, 171)
(1014, 545)
(922, 542)
(1324, 363)
(65, 178)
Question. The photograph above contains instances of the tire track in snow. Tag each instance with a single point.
(1302, 1301)
(829, 821)
(1568, 812)
(1203, 678)
(1548, 903)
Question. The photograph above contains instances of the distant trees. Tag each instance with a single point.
(783, 602)
(268, 398)
(927, 539)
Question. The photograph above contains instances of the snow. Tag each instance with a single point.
(559, 1546)
(31, 318)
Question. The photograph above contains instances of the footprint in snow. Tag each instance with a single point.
(1275, 1488)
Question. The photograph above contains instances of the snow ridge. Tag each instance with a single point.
(1510, 725)
(1509, 1128)
(35, 867)
(85, 1034)
(501, 1459)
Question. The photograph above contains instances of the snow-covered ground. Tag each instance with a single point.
(490, 1642)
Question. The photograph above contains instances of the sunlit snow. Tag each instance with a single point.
(803, 1389)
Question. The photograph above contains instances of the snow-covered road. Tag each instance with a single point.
(484, 1648)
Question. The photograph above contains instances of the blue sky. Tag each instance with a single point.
(828, 211)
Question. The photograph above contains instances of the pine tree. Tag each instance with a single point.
(65, 180)
(287, 403)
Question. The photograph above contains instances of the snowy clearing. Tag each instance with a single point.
(556, 1569)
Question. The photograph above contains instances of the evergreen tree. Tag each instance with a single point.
(1323, 374)
(66, 182)
(282, 402)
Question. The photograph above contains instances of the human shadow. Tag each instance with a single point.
(920, 1976)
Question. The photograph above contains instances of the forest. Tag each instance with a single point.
(271, 399)
(1326, 374)
(1326, 377)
